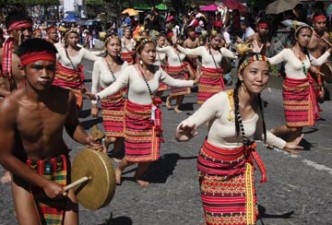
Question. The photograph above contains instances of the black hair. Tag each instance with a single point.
(238, 120)
(107, 40)
(190, 28)
(141, 44)
(35, 45)
(245, 22)
(16, 16)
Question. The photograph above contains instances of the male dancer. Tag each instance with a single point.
(53, 36)
(192, 42)
(19, 26)
(31, 136)
(261, 36)
(317, 47)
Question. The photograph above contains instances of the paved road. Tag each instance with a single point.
(298, 191)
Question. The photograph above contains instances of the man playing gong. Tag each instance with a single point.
(31, 140)
(318, 45)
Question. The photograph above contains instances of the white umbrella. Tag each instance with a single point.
(280, 6)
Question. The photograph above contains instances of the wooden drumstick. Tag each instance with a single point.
(327, 42)
(76, 183)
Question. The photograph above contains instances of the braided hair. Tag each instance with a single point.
(239, 128)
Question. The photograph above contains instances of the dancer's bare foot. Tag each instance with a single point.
(118, 174)
(168, 102)
(6, 178)
(143, 183)
(177, 110)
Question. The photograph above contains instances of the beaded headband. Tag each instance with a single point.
(36, 56)
(249, 60)
(299, 25)
(20, 24)
(143, 42)
(109, 37)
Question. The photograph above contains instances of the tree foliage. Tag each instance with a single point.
(4, 3)
(94, 2)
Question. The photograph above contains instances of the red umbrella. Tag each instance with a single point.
(206, 8)
(233, 4)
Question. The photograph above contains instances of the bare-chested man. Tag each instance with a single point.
(19, 26)
(192, 42)
(261, 36)
(317, 47)
(53, 36)
(31, 136)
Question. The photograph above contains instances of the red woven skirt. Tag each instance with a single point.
(300, 103)
(72, 80)
(128, 57)
(178, 72)
(51, 211)
(227, 185)
(113, 115)
(142, 143)
(210, 83)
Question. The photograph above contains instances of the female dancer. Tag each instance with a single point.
(128, 47)
(300, 103)
(69, 71)
(178, 70)
(142, 115)
(226, 160)
(161, 61)
(211, 81)
(105, 72)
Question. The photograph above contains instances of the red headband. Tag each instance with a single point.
(35, 31)
(263, 25)
(36, 56)
(319, 17)
(20, 24)
(51, 29)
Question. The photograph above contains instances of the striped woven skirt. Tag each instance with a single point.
(178, 72)
(227, 185)
(112, 109)
(142, 143)
(300, 103)
(70, 79)
(210, 83)
(128, 57)
(162, 86)
(51, 211)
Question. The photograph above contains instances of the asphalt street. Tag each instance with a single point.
(298, 190)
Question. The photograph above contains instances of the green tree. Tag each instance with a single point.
(28, 2)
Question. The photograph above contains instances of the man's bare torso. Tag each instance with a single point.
(191, 43)
(317, 46)
(260, 41)
(40, 124)
(15, 72)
